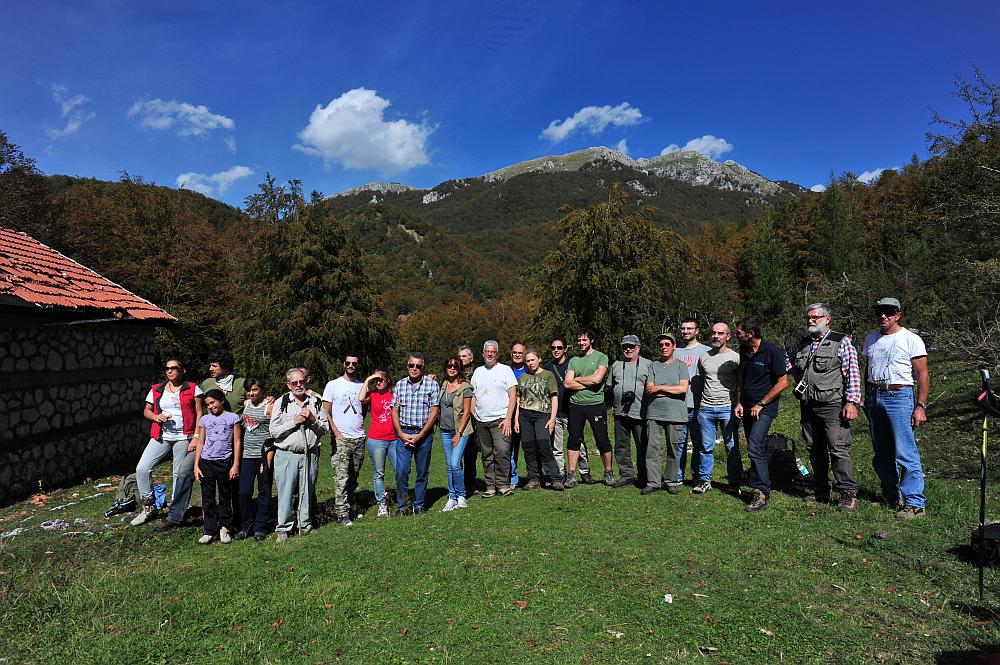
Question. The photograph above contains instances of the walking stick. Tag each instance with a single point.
(988, 403)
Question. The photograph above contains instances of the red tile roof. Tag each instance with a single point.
(39, 275)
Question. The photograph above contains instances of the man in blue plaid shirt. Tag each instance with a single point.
(414, 412)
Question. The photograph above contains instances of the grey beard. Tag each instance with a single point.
(716, 344)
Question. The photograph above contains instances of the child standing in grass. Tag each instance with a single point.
(217, 464)
(257, 463)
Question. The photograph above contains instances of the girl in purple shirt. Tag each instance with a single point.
(217, 464)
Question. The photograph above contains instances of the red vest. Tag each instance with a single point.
(187, 409)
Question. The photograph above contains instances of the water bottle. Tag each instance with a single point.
(803, 471)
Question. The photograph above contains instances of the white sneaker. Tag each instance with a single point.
(224, 536)
(205, 540)
(145, 515)
(450, 506)
(383, 509)
(462, 503)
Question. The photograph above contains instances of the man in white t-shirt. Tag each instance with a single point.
(494, 396)
(896, 368)
(347, 429)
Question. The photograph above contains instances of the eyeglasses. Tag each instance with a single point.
(666, 342)
(296, 383)
(349, 363)
(172, 368)
(414, 365)
(815, 317)
(556, 347)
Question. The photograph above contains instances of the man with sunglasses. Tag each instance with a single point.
(414, 412)
(516, 366)
(828, 387)
(347, 429)
(896, 368)
(627, 382)
(559, 366)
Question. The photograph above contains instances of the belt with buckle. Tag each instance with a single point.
(889, 388)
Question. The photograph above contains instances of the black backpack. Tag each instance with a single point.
(782, 464)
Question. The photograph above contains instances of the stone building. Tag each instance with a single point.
(76, 362)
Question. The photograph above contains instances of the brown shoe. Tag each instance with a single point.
(848, 503)
(757, 503)
(817, 498)
(556, 485)
(910, 512)
(533, 484)
(165, 525)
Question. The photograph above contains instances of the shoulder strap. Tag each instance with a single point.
(836, 337)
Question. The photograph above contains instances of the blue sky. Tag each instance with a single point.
(215, 95)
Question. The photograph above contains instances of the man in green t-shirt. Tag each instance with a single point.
(220, 370)
(585, 378)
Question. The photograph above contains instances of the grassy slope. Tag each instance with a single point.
(573, 577)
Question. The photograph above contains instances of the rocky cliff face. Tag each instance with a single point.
(381, 187)
(698, 169)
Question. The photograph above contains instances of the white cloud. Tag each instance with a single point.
(708, 145)
(216, 183)
(593, 119)
(352, 132)
(231, 144)
(622, 146)
(73, 110)
(818, 188)
(868, 177)
(187, 119)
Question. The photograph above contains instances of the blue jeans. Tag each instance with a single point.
(896, 460)
(421, 454)
(709, 418)
(691, 431)
(755, 431)
(378, 450)
(453, 464)
(183, 475)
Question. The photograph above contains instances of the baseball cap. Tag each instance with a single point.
(664, 336)
(630, 339)
(888, 302)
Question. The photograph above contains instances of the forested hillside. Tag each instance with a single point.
(297, 279)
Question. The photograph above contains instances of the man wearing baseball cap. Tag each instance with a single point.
(895, 372)
(627, 381)
(666, 415)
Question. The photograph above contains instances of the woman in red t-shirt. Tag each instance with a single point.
(376, 393)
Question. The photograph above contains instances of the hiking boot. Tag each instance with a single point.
(533, 484)
(587, 479)
(848, 503)
(165, 525)
(241, 535)
(417, 510)
(818, 498)
(281, 537)
(570, 483)
(383, 508)
(450, 506)
(702, 487)
(649, 489)
(488, 494)
(624, 481)
(147, 514)
(224, 536)
(556, 486)
(345, 521)
(260, 537)
(403, 511)
(506, 491)
(757, 503)
(206, 539)
(671, 488)
(910, 512)
(609, 479)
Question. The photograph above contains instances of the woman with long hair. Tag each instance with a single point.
(455, 423)
(376, 393)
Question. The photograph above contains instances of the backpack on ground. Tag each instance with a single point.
(782, 464)
(126, 498)
(991, 544)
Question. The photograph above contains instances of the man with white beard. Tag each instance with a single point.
(828, 387)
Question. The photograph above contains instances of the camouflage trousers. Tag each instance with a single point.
(347, 458)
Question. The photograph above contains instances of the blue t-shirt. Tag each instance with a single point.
(760, 372)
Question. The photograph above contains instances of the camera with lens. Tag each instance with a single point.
(628, 399)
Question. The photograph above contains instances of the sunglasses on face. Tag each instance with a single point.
(296, 383)
(350, 363)
(556, 347)
(628, 347)
(172, 368)
(451, 366)
(414, 365)
(888, 311)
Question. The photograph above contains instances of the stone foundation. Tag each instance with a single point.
(72, 396)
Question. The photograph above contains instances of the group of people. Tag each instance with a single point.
(230, 436)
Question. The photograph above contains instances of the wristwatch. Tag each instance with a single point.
(922, 405)
(760, 404)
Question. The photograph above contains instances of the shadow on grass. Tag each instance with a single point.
(981, 655)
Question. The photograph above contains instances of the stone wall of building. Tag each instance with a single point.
(72, 396)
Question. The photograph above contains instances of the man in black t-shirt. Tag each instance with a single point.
(763, 376)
